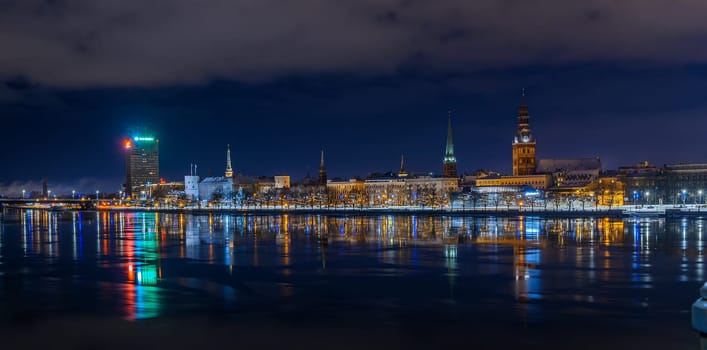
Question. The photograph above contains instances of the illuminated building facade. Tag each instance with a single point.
(670, 184)
(570, 173)
(282, 181)
(191, 187)
(191, 184)
(449, 164)
(608, 191)
(265, 184)
(523, 144)
(142, 162)
(412, 190)
(393, 190)
(644, 183)
(216, 189)
(539, 181)
(352, 192)
(684, 183)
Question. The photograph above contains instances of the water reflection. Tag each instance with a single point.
(149, 264)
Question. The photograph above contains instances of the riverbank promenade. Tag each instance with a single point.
(615, 211)
(687, 210)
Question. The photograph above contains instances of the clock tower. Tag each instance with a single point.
(523, 143)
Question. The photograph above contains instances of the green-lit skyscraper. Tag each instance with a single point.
(142, 162)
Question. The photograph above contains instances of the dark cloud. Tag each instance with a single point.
(87, 43)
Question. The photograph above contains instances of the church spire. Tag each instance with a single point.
(229, 169)
(450, 144)
(449, 165)
(322, 172)
(402, 172)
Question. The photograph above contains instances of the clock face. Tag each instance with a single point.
(525, 138)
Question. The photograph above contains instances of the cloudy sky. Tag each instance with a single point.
(366, 80)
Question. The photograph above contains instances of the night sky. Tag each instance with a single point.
(366, 80)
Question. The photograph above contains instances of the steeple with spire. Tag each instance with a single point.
(229, 169)
(402, 172)
(523, 143)
(322, 172)
(449, 165)
(523, 134)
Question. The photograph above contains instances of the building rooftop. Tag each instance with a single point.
(571, 164)
(491, 176)
(215, 179)
(686, 166)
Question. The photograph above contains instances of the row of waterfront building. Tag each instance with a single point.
(533, 180)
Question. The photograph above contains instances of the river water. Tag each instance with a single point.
(403, 281)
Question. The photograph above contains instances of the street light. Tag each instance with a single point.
(593, 200)
(684, 196)
(23, 194)
(96, 194)
(647, 194)
(49, 194)
(73, 194)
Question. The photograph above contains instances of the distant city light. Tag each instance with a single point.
(138, 138)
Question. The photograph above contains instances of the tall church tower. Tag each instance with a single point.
(322, 172)
(449, 165)
(402, 172)
(523, 143)
(229, 170)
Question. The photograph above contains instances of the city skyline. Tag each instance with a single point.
(364, 173)
(110, 184)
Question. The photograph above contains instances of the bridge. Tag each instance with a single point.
(46, 203)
